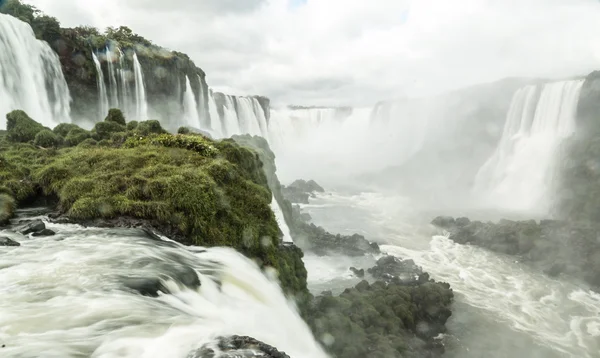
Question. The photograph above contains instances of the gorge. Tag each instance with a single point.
(167, 230)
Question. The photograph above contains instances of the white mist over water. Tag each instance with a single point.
(520, 173)
(79, 274)
(31, 77)
(114, 90)
(190, 107)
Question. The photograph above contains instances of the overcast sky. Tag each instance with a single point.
(356, 52)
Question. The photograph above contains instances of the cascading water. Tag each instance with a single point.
(140, 90)
(125, 84)
(247, 116)
(31, 77)
(287, 236)
(113, 88)
(231, 122)
(520, 172)
(190, 108)
(90, 275)
(102, 96)
(215, 122)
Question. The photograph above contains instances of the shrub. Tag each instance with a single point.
(183, 130)
(63, 129)
(7, 208)
(132, 125)
(151, 126)
(89, 142)
(20, 127)
(115, 115)
(104, 130)
(47, 139)
(194, 143)
(76, 136)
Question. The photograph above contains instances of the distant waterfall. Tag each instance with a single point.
(140, 90)
(31, 77)
(230, 120)
(190, 107)
(102, 98)
(125, 84)
(231, 115)
(520, 172)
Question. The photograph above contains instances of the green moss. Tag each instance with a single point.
(20, 127)
(47, 139)
(89, 142)
(115, 115)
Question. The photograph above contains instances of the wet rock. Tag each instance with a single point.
(5, 241)
(313, 238)
(300, 191)
(146, 286)
(31, 227)
(444, 222)
(238, 347)
(393, 269)
(307, 186)
(359, 273)
(45, 232)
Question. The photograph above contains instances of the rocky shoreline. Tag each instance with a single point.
(552, 246)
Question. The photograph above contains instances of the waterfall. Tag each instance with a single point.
(31, 77)
(113, 89)
(231, 121)
(287, 236)
(140, 90)
(247, 117)
(261, 118)
(520, 172)
(102, 97)
(91, 273)
(201, 103)
(190, 108)
(125, 82)
(215, 121)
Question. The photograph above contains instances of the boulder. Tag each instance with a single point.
(5, 241)
(45, 232)
(316, 239)
(238, 347)
(359, 273)
(31, 227)
(393, 269)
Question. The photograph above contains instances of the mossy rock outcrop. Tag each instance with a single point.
(203, 192)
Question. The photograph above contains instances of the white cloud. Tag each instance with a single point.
(357, 51)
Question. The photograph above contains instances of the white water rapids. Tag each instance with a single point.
(64, 296)
(502, 309)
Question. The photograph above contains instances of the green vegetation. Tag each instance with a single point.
(207, 192)
(379, 320)
(20, 127)
(47, 139)
(115, 115)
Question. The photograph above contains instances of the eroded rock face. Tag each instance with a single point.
(238, 347)
(555, 247)
(300, 191)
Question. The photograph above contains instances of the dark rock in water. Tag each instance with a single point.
(146, 286)
(315, 239)
(31, 227)
(45, 232)
(393, 269)
(300, 190)
(359, 273)
(295, 195)
(444, 222)
(555, 269)
(307, 186)
(239, 347)
(5, 241)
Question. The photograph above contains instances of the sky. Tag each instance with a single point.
(357, 52)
